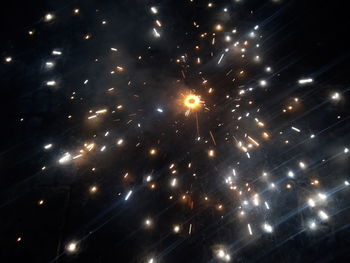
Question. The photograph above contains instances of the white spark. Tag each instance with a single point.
(8, 59)
(49, 17)
(65, 158)
(51, 83)
(72, 247)
(263, 83)
(323, 215)
(56, 52)
(155, 32)
(250, 230)
(221, 57)
(322, 196)
(173, 182)
(290, 174)
(267, 228)
(302, 165)
(49, 64)
(154, 10)
(305, 81)
(267, 205)
(335, 96)
(48, 146)
(295, 129)
(312, 225)
(128, 195)
(311, 202)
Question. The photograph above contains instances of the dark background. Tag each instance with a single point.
(302, 38)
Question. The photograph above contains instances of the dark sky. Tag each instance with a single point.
(300, 39)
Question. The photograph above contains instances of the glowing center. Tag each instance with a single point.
(192, 101)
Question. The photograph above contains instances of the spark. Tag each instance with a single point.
(51, 83)
(311, 202)
(323, 215)
(218, 27)
(158, 23)
(267, 228)
(305, 81)
(49, 64)
(101, 111)
(335, 96)
(148, 178)
(312, 225)
(48, 146)
(302, 165)
(92, 117)
(93, 189)
(211, 153)
(267, 206)
(322, 196)
(176, 229)
(234, 172)
(48, 17)
(250, 230)
(8, 59)
(148, 222)
(263, 83)
(65, 158)
(173, 182)
(56, 53)
(154, 10)
(155, 33)
(128, 195)
(221, 57)
(72, 247)
(192, 101)
(296, 129)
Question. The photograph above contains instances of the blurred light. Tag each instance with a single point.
(305, 81)
(267, 228)
(72, 247)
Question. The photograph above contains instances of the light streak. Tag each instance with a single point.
(128, 195)
(305, 81)
(250, 230)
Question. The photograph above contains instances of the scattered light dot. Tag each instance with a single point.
(48, 17)
(263, 83)
(8, 59)
(93, 189)
(72, 247)
(176, 229)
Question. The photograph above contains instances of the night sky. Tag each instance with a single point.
(175, 131)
